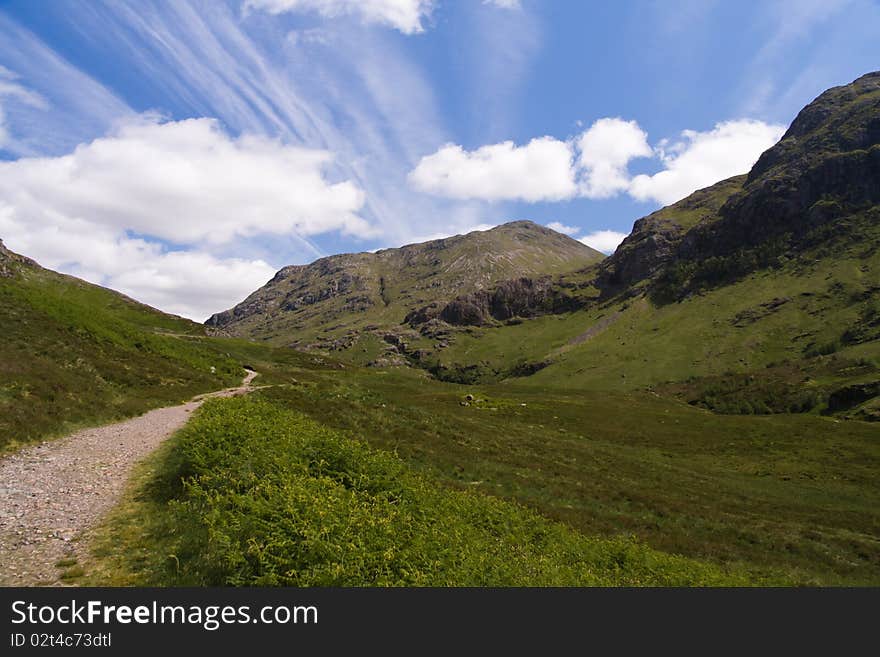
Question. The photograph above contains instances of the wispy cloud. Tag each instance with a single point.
(841, 38)
(359, 111)
(50, 106)
(13, 92)
(504, 4)
(403, 15)
(497, 46)
(353, 92)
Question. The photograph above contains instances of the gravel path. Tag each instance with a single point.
(52, 493)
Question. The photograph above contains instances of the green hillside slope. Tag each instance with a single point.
(74, 353)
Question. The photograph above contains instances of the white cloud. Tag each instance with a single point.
(605, 241)
(562, 228)
(545, 169)
(595, 164)
(190, 283)
(700, 159)
(503, 4)
(605, 151)
(186, 182)
(403, 15)
(538, 171)
(210, 284)
(183, 182)
(442, 234)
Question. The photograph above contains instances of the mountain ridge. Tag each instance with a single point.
(376, 291)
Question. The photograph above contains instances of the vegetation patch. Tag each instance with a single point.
(254, 494)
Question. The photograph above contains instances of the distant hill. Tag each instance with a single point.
(337, 300)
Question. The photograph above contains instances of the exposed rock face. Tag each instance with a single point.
(853, 395)
(826, 166)
(655, 239)
(521, 297)
(10, 262)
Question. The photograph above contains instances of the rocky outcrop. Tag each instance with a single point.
(649, 246)
(826, 166)
(521, 297)
(11, 262)
(655, 239)
(821, 180)
(853, 395)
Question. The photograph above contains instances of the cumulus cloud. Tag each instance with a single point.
(605, 241)
(605, 151)
(185, 182)
(111, 210)
(190, 283)
(538, 171)
(562, 228)
(700, 159)
(595, 164)
(403, 15)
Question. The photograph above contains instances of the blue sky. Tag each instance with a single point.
(181, 152)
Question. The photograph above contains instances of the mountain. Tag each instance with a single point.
(345, 300)
(772, 275)
(762, 292)
(74, 353)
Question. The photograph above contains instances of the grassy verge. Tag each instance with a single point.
(251, 493)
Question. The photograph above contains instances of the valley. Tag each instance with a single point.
(506, 407)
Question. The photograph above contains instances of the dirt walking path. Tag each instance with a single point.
(52, 493)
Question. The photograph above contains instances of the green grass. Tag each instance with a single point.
(791, 493)
(74, 354)
(252, 493)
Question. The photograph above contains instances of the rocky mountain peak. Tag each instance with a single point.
(342, 294)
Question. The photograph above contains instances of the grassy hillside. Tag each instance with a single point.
(75, 354)
(711, 389)
(269, 497)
